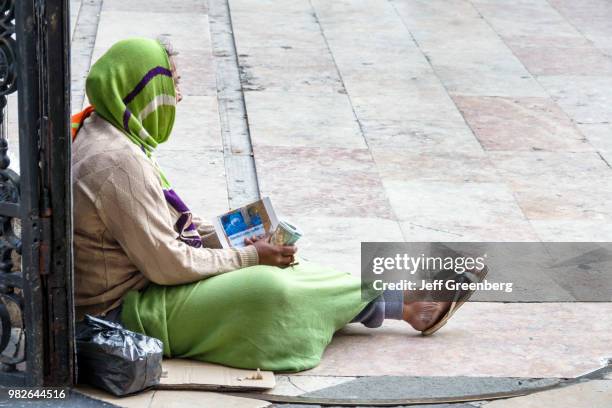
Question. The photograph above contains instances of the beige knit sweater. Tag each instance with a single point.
(124, 234)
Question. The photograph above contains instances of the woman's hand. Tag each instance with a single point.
(273, 255)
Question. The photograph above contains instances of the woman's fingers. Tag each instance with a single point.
(286, 260)
(274, 255)
(286, 255)
(288, 250)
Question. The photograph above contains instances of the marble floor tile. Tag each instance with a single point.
(438, 25)
(573, 230)
(97, 52)
(358, 13)
(378, 21)
(186, 31)
(460, 36)
(198, 177)
(74, 5)
(355, 29)
(564, 60)
(197, 71)
(601, 41)
(424, 103)
(406, 54)
(11, 117)
(506, 340)
(458, 211)
(558, 186)
(298, 119)
(524, 168)
(520, 124)
(547, 41)
(308, 70)
(336, 241)
(420, 135)
(425, 13)
(596, 29)
(308, 181)
(529, 23)
(399, 164)
(419, 231)
(591, 17)
(593, 8)
(599, 136)
(467, 55)
(369, 29)
(270, 6)
(157, 6)
(586, 99)
(275, 29)
(422, 231)
(592, 21)
(383, 75)
(423, 120)
(196, 125)
(365, 38)
(482, 73)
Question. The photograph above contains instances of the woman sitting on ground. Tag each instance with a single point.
(144, 260)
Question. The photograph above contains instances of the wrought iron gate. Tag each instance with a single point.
(36, 317)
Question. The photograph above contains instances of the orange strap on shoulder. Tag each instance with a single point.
(77, 120)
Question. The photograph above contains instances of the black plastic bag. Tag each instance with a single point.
(115, 359)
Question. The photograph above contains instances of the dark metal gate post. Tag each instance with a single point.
(56, 204)
(36, 299)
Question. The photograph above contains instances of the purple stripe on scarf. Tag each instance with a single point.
(175, 201)
(193, 242)
(126, 119)
(187, 229)
(145, 80)
(182, 222)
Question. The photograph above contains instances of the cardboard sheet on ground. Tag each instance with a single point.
(180, 374)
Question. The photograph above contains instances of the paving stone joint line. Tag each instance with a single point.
(241, 173)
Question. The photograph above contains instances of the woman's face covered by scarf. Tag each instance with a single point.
(133, 86)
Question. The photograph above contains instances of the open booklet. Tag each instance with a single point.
(254, 219)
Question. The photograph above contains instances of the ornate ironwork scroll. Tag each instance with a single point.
(12, 334)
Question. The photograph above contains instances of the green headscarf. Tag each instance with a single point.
(131, 86)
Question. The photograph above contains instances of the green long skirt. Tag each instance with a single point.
(258, 317)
